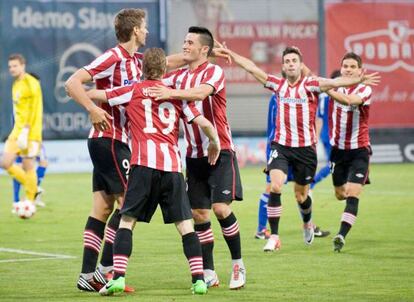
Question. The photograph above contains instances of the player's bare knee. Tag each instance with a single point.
(301, 196)
(276, 187)
(201, 215)
(221, 210)
(184, 227)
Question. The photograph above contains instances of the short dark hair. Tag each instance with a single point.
(19, 57)
(154, 63)
(125, 21)
(206, 38)
(292, 49)
(353, 56)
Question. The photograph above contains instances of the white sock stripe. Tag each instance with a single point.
(110, 236)
(274, 212)
(348, 218)
(206, 239)
(92, 244)
(205, 236)
(91, 235)
(110, 231)
(264, 198)
(231, 230)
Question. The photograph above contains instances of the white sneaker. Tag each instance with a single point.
(272, 244)
(238, 277)
(308, 233)
(38, 198)
(211, 278)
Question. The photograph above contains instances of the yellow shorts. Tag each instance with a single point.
(32, 150)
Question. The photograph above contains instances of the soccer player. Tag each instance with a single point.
(349, 137)
(208, 186)
(295, 139)
(155, 176)
(262, 231)
(26, 137)
(322, 131)
(108, 142)
(40, 173)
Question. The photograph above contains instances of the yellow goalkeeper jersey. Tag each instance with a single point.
(27, 107)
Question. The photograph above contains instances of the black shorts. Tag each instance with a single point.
(110, 159)
(350, 166)
(149, 187)
(208, 184)
(303, 161)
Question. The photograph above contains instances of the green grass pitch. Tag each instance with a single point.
(376, 264)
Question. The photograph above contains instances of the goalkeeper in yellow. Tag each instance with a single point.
(26, 137)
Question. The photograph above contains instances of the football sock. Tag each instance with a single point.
(92, 239)
(192, 250)
(262, 212)
(122, 251)
(18, 173)
(205, 235)
(40, 171)
(274, 211)
(231, 233)
(349, 215)
(305, 209)
(16, 190)
(110, 232)
(30, 185)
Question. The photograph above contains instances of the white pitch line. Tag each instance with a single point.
(46, 256)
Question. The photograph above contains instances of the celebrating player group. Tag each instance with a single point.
(135, 111)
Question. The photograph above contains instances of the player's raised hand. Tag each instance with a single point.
(160, 92)
(100, 119)
(220, 50)
(372, 79)
(213, 152)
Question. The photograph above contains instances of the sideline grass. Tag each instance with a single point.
(377, 262)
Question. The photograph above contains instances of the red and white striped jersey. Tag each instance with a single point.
(296, 112)
(154, 125)
(115, 68)
(348, 124)
(213, 107)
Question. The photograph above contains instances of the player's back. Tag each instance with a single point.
(154, 126)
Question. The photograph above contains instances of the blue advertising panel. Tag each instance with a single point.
(57, 38)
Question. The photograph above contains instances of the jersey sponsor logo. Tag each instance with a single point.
(385, 49)
(129, 82)
(293, 100)
(347, 107)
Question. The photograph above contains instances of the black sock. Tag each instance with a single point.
(192, 250)
(349, 215)
(92, 239)
(205, 235)
(231, 233)
(122, 251)
(110, 231)
(274, 211)
(305, 209)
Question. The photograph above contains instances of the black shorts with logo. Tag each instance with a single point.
(303, 161)
(350, 165)
(208, 184)
(110, 159)
(148, 188)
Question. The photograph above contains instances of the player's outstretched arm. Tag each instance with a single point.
(345, 99)
(97, 95)
(199, 93)
(246, 64)
(74, 88)
(367, 79)
(209, 130)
